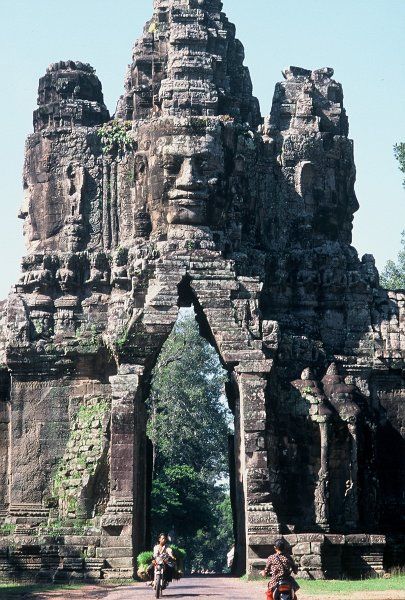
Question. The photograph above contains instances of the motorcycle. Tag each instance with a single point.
(159, 582)
(284, 590)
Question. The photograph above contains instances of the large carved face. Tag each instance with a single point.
(41, 215)
(53, 197)
(186, 166)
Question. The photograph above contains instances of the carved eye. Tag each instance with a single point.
(202, 162)
(172, 165)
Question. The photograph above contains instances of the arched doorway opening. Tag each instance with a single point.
(190, 431)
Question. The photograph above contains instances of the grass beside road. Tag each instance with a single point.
(11, 590)
(319, 587)
(347, 587)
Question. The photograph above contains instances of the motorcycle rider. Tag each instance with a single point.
(280, 565)
(164, 551)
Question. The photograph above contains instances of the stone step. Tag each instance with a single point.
(210, 264)
(214, 298)
(61, 576)
(119, 563)
(234, 335)
(214, 276)
(94, 563)
(256, 366)
(164, 300)
(73, 564)
(235, 345)
(200, 285)
(114, 552)
(214, 303)
(122, 541)
(243, 355)
(109, 574)
(45, 576)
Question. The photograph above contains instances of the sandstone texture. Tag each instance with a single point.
(189, 195)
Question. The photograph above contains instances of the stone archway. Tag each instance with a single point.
(221, 302)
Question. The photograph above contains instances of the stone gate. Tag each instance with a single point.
(188, 195)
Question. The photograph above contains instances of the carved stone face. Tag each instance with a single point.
(74, 232)
(185, 170)
(24, 213)
(43, 215)
(53, 198)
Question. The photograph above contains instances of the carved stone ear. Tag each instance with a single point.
(304, 179)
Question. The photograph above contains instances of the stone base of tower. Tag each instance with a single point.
(327, 556)
(92, 556)
(116, 542)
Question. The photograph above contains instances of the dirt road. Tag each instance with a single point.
(202, 588)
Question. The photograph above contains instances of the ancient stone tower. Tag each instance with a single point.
(189, 195)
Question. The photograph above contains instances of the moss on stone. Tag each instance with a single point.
(83, 452)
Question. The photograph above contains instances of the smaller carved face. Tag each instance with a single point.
(74, 232)
(25, 213)
(41, 213)
(185, 170)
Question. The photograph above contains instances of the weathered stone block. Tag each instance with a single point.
(302, 548)
(312, 561)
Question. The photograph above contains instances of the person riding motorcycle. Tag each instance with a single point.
(279, 566)
(162, 550)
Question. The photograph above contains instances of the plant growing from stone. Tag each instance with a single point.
(115, 137)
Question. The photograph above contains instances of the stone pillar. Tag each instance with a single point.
(261, 519)
(322, 488)
(113, 205)
(105, 208)
(120, 539)
(351, 495)
(4, 440)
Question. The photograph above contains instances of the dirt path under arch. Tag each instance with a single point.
(203, 588)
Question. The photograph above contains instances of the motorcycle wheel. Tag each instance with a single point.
(158, 586)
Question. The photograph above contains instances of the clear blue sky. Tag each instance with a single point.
(364, 40)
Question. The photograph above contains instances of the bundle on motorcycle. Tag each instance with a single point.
(180, 555)
(145, 559)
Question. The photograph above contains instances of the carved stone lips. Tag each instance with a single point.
(187, 198)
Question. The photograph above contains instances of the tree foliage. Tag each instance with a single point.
(189, 424)
(189, 427)
(181, 500)
(209, 546)
(399, 151)
(393, 275)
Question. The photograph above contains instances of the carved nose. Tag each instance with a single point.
(188, 178)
